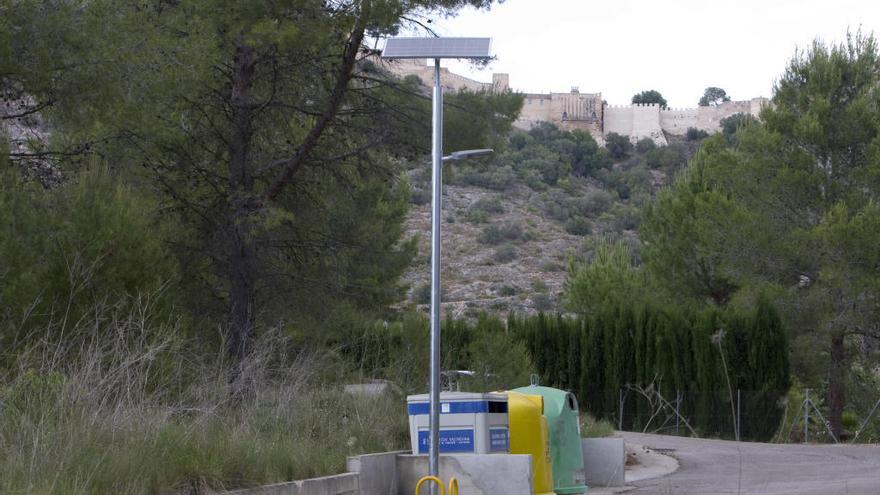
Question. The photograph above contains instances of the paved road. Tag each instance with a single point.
(713, 467)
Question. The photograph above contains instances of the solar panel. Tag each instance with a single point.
(437, 48)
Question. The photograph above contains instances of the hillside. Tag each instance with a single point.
(507, 242)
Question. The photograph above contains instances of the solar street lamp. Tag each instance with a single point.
(437, 48)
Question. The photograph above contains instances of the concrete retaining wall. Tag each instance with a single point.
(604, 461)
(378, 472)
(340, 484)
(492, 474)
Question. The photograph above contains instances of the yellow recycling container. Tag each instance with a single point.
(528, 435)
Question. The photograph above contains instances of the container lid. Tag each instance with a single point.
(458, 396)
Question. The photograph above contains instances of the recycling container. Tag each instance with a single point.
(563, 424)
(528, 435)
(469, 423)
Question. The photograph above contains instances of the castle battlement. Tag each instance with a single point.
(576, 110)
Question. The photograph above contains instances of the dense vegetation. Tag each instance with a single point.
(202, 239)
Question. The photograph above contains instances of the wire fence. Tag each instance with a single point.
(753, 415)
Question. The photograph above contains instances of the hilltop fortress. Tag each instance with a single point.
(587, 111)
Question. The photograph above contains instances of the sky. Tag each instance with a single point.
(678, 47)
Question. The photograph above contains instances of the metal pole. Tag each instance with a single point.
(738, 417)
(436, 205)
(620, 409)
(677, 409)
(806, 415)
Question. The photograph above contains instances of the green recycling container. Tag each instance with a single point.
(564, 429)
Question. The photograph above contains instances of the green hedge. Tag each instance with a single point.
(622, 347)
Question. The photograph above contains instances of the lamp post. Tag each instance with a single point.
(437, 48)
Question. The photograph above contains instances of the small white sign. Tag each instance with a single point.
(444, 407)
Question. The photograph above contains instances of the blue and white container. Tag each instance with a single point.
(470, 423)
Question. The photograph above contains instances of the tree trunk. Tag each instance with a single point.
(837, 384)
(241, 208)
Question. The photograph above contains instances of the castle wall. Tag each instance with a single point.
(450, 81)
(536, 108)
(618, 119)
(678, 120)
(587, 111)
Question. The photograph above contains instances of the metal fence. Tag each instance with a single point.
(732, 414)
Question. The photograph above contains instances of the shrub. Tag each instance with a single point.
(420, 197)
(477, 216)
(482, 209)
(507, 291)
(694, 134)
(667, 157)
(542, 302)
(562, 207)
(618, 146)
(578, 226)
(146, 411)
(505, 254)
(91, 241)
(490, 205)
(645, 145)
(539, 285)
(496, 234)
(422, 294)
(495, 178)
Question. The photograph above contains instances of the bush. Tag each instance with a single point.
(146, 411)
(562, 207)
(618, 146)
(420, 197)
(489, 205)
(578, 226)
(496, 234)
(667, 157)
(645, 145)
(495, 178)
(507, 291)
(91, 241)
(505, 254)
(482, 209)
(694, 134)
(542, 302)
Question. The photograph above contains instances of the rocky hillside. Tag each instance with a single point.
(507, 242)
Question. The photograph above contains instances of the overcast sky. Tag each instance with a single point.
(678, 47)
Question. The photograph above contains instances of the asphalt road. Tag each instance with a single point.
(710, 467)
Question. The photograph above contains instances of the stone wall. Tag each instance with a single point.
(449, 80)
(587, 111)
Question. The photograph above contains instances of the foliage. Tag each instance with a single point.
(732, 124)
(670, 157)
(549, 154)
(137, 408)
(623, 344)
(257, 124)
(791, 209)
(713, 97)
(609, 275)
(578, 226)
(645, 145)
(92, 242)
(618, 146)
(396, 351)
(648, 97)
(694, 134)
(504, 253)
(475, 120)
(496, 234)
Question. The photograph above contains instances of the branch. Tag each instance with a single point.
(349, 56)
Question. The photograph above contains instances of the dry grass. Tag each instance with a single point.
(135, 409)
